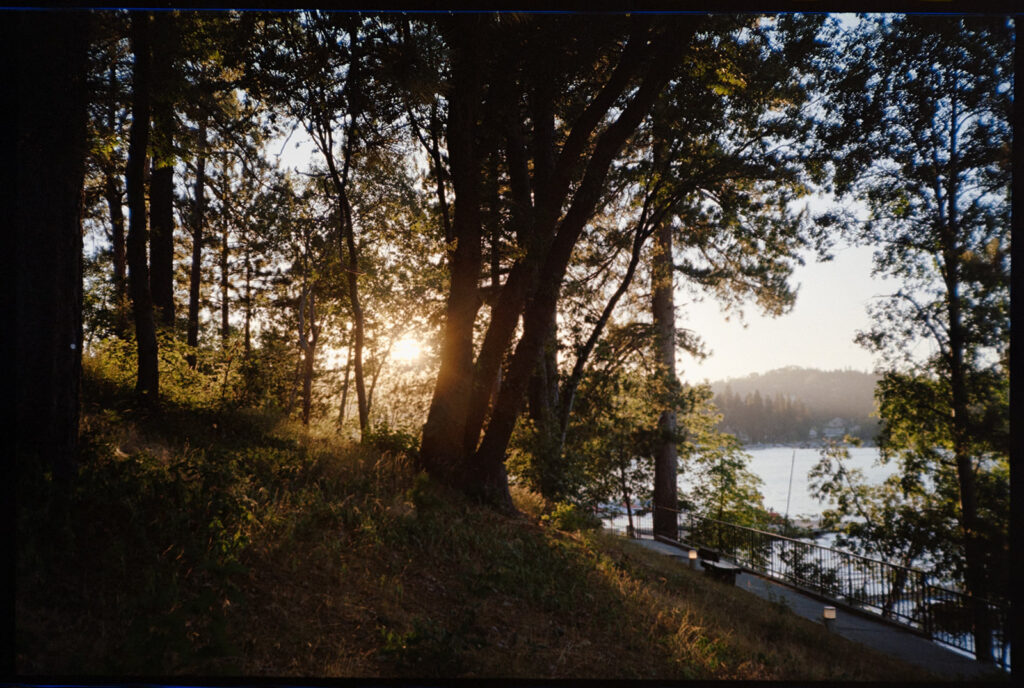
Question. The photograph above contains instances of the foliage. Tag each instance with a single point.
(905, 520)
(715, 465)
(528, 502)
(921, 129)
(611, 442)
(567, 516)
(217, 382)
(384, 439)
(916, 434)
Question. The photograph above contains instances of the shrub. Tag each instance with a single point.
(529, 502)
(385, 439)
(567, 516)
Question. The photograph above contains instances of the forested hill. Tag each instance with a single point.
(795, 404)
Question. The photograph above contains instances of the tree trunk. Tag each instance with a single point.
(309, 353)
(344, 385)
(349, 256)
(161, 250)
(442, 448)
(543, 387)
(161, 186)
(376, 375)
(308, 336)
(358, 319)
(224, 284)
(627, 499)
(974, 546)
(248, 301)
(666, 457)
(147, 383)
(974, 549)
(114, 197)
(543, 405)
(51, 143)
(196, 273)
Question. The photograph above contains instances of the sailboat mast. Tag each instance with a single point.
(789, 494)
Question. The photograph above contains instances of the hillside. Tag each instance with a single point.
(229, 543)
(797, 404)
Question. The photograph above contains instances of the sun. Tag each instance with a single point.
(406, 350)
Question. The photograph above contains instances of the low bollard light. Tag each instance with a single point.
(829, 617)
(693, 558)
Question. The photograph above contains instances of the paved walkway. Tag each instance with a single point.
(875, 634)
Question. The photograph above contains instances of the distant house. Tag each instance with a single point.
(834, 428)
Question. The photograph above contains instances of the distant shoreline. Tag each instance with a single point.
(811, 444)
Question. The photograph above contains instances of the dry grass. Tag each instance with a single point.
(548, 604)
(295, 555)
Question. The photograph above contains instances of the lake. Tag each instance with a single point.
(771, 464)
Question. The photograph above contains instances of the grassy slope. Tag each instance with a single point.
(208, 544)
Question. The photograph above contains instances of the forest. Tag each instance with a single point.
(282, 273)
(798, 405)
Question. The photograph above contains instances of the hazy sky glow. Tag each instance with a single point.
(817, 333)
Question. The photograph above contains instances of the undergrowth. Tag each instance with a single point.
(212, 541)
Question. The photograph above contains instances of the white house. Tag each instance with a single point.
(834, 428)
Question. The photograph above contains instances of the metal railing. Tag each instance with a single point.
(899, 594)
(642, 523)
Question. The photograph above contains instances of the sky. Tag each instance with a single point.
(831, 305)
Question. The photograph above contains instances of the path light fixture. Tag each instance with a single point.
(829, 616)
(693, 558)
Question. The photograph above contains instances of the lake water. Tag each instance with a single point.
(772, 465)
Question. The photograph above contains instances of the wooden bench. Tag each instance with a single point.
(721, 570)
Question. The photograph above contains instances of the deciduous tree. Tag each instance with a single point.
(922, 134)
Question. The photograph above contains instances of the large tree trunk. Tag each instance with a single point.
(308, 360)
(51, 141)
(161, 248)
(543, 387)
(442, 450)
(666, 457)
(147, 384)
(196, 273)
(542, 395)
(161, 185)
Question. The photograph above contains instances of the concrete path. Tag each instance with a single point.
(859, 628)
